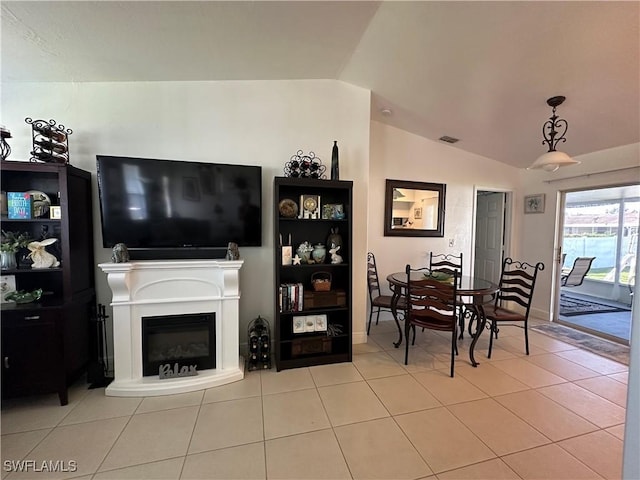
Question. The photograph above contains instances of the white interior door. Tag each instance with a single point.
(489, 247)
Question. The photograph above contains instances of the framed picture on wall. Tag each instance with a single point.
(417, 213)
(534, 203)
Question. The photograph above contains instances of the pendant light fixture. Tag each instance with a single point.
(553, 131)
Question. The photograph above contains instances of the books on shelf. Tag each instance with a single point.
(291, 297)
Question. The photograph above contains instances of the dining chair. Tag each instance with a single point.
(579, 270)
(376, 299)
(450, 263)
(431, 304)
(517, 281)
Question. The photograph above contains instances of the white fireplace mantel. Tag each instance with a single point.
(173, 287)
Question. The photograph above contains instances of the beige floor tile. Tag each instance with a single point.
(490, 379)
(166, 402)
(151, 437)
(370, 347)
(87, 444)
(249, 386)
(617, 431)
(420, 359)
(449, 390)
(402, 394)
(376, 365)
(528, 373)
(560, 366)
(385, 340)
(497, 427)
(539, 341)
(350, 403)
(594, 362)
(33, 413)
(324, 375)
(286, 380)
(227, 424)
(379, 450)
(97, 406)
(161, 470)
(242, 462)
(442, 440)
(312, 456)
(600, 450)
(598, 410)
(607, 388)
(549, 462)
(551, 419)
(290, 413)
(494, 469)
(622, 377)
(15, 446)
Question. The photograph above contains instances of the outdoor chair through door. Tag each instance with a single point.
(575, 276)
(517, 281)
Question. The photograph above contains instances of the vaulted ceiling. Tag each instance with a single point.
(478, 71)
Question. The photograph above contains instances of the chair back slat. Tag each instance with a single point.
(373, 282)
(431, 303)
(446, 263)
(517, 282)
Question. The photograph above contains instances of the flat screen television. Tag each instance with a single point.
(178, 209)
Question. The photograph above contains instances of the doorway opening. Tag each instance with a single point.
(599, 224)
(492, 233)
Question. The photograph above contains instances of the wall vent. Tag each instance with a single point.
(448, 139)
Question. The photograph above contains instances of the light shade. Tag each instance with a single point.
(552, 161)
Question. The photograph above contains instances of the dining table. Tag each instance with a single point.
(478, 290)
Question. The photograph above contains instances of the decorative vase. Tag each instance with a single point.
(8, 260)
(319, 253)
(335, 171)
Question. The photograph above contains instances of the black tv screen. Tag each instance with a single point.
(168, 204)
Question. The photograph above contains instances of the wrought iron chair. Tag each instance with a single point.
(575, 276)
(431, 304)
(377, 300)
(449, 263)
(517, 281)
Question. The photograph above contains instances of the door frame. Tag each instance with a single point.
(507, 219)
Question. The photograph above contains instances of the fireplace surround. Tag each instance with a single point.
(171, 288)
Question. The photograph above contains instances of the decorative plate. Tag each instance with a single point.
(41, 203)
(288, 208)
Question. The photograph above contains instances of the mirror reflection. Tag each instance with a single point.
(414, 209)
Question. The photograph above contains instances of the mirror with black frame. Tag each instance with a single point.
(414, 209)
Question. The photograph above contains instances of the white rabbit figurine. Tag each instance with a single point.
(41, 258)
(335, 258)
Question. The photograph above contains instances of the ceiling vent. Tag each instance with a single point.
(448, 139)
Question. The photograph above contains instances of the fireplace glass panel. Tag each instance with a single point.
(183, 339)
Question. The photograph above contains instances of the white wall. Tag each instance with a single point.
(399, 155)
(256, 123)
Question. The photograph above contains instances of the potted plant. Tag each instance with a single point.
(10, 244)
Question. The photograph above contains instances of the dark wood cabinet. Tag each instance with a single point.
(298, 304)
(45, 344)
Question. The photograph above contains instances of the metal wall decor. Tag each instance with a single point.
(50, 141)
(5, 149)
(305, 166)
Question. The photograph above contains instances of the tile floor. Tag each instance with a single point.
(551, 415)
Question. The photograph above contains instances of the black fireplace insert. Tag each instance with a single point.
(186, 340)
